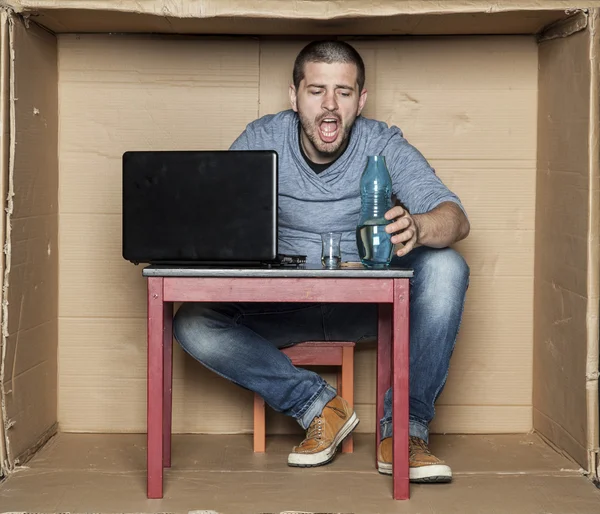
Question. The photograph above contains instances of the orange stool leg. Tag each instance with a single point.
(259, 424)
(316, 354)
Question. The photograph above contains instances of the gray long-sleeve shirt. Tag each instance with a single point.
(311, 203)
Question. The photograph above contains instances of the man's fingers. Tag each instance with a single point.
(394, 212)
(406, 248)
(405, 235)
(400, 224)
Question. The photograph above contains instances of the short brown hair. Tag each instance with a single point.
(329, 52)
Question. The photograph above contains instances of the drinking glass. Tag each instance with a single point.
(331, 255)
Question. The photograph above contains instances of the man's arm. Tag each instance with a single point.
(442, 226)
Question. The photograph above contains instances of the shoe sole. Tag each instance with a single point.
(312, 460)
(437, 474)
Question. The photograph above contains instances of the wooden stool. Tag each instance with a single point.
(330, 353)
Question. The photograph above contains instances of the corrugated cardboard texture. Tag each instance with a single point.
(300, 17)
(468, 103)
(564, 283)
(118, 94)
(31, 280)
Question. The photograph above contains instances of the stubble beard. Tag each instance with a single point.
(311, 128)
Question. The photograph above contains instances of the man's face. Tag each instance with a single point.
(327, 102)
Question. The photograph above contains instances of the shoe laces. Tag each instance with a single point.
(315, 430)
(418, 445)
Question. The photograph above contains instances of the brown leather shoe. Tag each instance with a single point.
(324, 435)
(424, 467)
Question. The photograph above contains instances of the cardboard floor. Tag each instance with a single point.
(106, 473)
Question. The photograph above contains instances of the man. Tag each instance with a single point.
(323, 144)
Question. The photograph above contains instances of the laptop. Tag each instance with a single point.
(200, 207)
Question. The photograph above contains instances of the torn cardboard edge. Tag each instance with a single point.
(322, 10)
(271, 17)
(31, 281)
(593, 279)
(565, 28)
(4, 157)
(8, 96)
(32, 450)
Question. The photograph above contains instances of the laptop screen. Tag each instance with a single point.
(199, 206)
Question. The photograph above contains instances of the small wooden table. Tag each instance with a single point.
(388, 288)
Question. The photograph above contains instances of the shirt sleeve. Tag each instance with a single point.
(242, 142)
(414, 181)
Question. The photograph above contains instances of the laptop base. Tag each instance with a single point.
(281, 261)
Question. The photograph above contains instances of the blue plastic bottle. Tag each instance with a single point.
(374, 244)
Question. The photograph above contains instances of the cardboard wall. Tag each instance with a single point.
(30, 294)
(468, 103)
(566, 284)
(117, 94)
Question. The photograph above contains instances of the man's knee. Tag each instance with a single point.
(196, 327)
(441, 280)
(446, 264)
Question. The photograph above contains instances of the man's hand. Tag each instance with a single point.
(404, 228)
(444, 225)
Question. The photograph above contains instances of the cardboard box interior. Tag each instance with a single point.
(227, 81)
(509, 121)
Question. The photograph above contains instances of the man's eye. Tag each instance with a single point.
(315, 92)
(345, 94)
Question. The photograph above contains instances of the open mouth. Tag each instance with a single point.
(329, 129)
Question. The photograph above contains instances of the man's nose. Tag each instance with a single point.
(329, 102)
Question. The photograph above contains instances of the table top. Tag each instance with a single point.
(305, 271)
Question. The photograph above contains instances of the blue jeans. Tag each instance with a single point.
(241, 341)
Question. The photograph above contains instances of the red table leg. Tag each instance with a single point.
(155, 387)
(384, 363)
(168, 382)
(400, 375)
(347, 382)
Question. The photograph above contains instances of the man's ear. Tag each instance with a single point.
(293, 98)
(362, 100)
